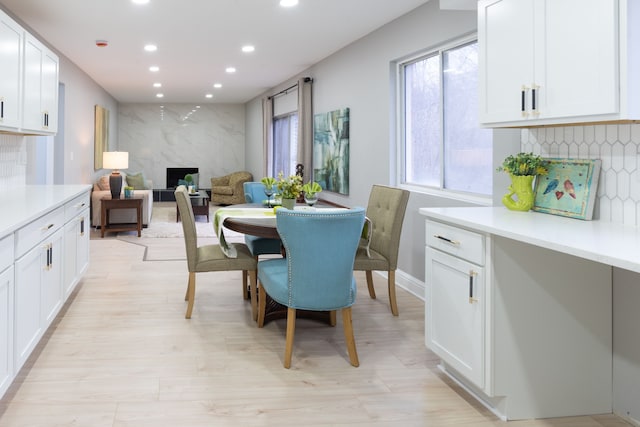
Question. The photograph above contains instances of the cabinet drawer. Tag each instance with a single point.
(462, 243)
(74, 207)
(6, 252)
(30, 235)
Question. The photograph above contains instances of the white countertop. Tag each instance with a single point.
(613, 244)
(21, 205)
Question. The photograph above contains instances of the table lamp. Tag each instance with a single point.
(115, 160)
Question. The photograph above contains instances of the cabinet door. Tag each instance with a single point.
(49, 96)
(10, 72)
(6, 329)
(577, 58)
(506, 45)
(455, 313)
(28, 325)
(76, 254)
(40, 87)
(51, 292)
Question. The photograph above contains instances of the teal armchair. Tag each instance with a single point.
(254, 192)
(317, 273)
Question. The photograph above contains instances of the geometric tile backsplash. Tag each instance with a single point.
(617, 146)
(13, 160)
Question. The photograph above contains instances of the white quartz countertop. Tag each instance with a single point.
(21, 205)
(609, 243)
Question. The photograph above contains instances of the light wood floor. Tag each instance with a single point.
(122, 354)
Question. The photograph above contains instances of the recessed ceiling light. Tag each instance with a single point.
(154, 68)
(151, 48)
(288, 3)
(160, 95)
(217, 85)
(230, 70)
(157, 85)
(248, 48)
(209, 95)
(140, 1)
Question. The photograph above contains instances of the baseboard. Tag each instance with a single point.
(407, 282)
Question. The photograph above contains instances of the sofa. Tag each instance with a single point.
(141, 187)
(229, 189)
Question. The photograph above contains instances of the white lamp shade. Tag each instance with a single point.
(115, 160)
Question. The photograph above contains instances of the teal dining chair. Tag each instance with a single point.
(317, 273)
(254, 193)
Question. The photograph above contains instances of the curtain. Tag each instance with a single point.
(305, 127)
(267, 133)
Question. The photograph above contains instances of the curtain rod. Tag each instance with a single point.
(306, 80)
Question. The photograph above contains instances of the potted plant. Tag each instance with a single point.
(311, 190)
(289, 188)
(523, 168)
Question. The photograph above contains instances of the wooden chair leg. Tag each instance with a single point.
(348, 336)
(372, 291)
(262, 306)
(332, 318)
(291, 329)
(245, 289)
(253, 278)
(191, 294)
(186, 293)
(392, 292)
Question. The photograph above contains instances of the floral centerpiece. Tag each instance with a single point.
(523, 168)
(289, 188)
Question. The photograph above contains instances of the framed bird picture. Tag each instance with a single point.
(569, 189)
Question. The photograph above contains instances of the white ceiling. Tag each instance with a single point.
(198, 39)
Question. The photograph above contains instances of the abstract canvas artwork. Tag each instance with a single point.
(569, 189)
(331, 150)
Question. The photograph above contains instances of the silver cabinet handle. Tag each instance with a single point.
(472, 275)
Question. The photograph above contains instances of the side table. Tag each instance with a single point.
(108, 204)
(199, 204)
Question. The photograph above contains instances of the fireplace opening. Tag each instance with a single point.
(175, 174)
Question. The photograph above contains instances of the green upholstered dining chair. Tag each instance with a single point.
(385, 210)
(317, 273)
(207, 258)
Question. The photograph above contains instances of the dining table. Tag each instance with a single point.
(256, 220)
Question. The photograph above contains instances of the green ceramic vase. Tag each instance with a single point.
(522, 187)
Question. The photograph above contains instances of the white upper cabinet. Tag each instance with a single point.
(10, 73)
(555, 62)
(40, 87)
(28, 82)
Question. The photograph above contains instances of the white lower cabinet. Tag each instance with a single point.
(38, 293)
(455, 321)
(76, 251)
(525, 329)
(6, 313)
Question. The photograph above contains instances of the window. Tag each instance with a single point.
(285, 145)
(443, 146)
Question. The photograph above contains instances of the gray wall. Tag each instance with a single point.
(360, 77)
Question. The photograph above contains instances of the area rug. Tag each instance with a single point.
(163, 238)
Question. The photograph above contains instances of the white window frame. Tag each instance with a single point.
(441, 192)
